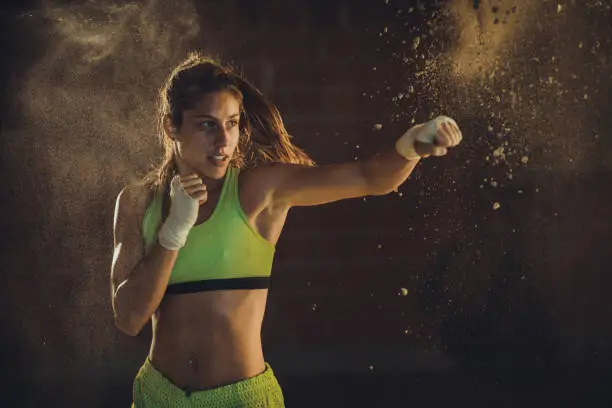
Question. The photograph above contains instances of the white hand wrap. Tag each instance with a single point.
(182, 216)
(425, 133)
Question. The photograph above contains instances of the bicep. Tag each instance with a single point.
(128, 246)
(308, 186)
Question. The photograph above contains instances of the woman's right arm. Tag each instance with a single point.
(138, 281)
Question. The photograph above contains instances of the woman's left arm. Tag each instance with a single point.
(294, 185)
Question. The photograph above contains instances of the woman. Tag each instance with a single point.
(194, 242)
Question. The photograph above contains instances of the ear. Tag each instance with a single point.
(169, 127)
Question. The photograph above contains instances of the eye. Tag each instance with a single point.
(209, 124)
(232, 123)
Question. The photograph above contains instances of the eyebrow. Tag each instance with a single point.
(203, 115)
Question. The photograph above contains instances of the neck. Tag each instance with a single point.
(213, 185)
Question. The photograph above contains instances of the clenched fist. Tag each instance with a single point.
(432, 138)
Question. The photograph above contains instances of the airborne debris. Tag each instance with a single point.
(499, 151)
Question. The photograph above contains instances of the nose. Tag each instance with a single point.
(222, 137)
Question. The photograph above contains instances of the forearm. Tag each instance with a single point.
(137, 298)
(386, 171)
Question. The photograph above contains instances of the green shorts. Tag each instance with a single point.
(152, 390)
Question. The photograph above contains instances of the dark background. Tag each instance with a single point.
(430, 295)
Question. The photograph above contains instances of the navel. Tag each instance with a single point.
(193, 362)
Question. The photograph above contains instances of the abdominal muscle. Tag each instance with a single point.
(208, 339)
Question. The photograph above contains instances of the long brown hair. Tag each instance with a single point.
(263, 137)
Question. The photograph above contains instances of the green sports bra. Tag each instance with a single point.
(224, 252)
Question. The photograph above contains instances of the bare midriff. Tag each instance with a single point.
(208, 339)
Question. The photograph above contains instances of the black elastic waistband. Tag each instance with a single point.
(218, 284)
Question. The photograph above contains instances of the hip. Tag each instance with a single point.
(153, 389)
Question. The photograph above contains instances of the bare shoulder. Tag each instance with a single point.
(264, 176)
(258, 184)
(131, 203)
(267, 178)
(136, 194)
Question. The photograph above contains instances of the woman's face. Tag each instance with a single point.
(209, 135)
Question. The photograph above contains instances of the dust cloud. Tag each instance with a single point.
(534, 69)
(88, 109)
(533, 73)
(529, 83)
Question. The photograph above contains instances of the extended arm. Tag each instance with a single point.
(380, 174)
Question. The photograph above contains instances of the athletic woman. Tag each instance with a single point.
(195, 240)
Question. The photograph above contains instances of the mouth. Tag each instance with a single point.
(219, 160)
